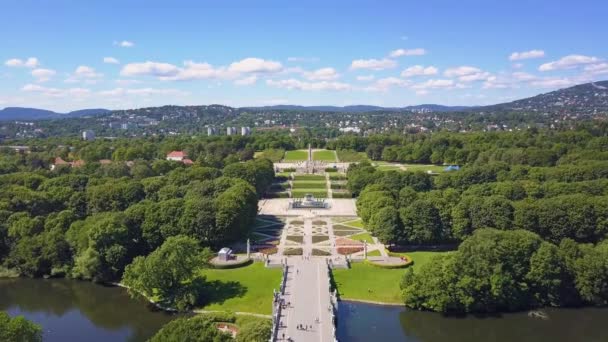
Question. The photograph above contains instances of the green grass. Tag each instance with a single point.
(362, 237)
(351, 156)
(420, 258)
(374, 253)
(356, 223)
(309, 184)
(297, 155)
(317, 178)
(366, 282)
(385, 166)
(275, 155)
(317, 193)
(245, 289)
(324, 155)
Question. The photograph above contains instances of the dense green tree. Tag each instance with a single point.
(190, 329)
(18, 329)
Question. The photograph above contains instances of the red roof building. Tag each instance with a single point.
(177, 155)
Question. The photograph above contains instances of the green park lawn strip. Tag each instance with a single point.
(374, 253)
(351, 156)
(295, 238)
(318, 193)
(318, 178)
(245, 289)
(362, 237)
(297, 155)
(370, 283)
(420, 258)
(309, 184)
(319, 238)
(355, 223)
(324, 155)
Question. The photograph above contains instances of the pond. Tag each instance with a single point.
(359, 322)
(70, 310)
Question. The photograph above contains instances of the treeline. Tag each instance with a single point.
(496, 270)
(405, 208)
(91, 222)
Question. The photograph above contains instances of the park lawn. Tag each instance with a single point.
(324, 155)
(296, 155)
(245, 289)
(420, 258)
(424, 167)
(362, 237)
(355, 223)
(374, 253)
(366, 282)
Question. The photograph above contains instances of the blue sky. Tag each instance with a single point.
(65, 55)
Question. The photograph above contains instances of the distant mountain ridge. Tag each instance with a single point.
(21, 113)
(366, 108)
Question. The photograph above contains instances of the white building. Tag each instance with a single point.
(230, 130)
(88, 135)
(211, 131)
(245, 131)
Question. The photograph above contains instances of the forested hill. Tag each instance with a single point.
(28, 114)
(585, 98)
(366, 108)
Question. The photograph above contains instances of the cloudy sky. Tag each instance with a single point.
(66, 55)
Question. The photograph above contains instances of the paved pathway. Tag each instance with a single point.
(307, 292)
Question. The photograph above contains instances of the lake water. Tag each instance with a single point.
(71, 310)
(366, 322)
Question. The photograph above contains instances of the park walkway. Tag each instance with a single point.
(308, 313)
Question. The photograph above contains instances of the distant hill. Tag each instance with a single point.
(365, 108)
(20, 113)
(585, 98)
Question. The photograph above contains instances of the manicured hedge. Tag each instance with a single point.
(331, 169)
(338, 185)
(309, 177)
(318, 193)
(293, 251)
(279, 186)
(337, 176)
(289, 169)
(391, 267)
(308, 185)
(281, 194)
(341, 195)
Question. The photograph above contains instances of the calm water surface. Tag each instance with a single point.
(71, 310)
(365, 322)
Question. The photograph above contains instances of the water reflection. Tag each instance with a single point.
(75, 310)
(364, 322)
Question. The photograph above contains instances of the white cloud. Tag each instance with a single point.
(31, 62)
(461, 71)
(422, 92)
(149, 69)
(247, 80)
(552, 83)
(518, 56)
(199, 71)
(141, 92)
(303, 59)
(301, 85)
(125, 44)
(251, 65)
(384, 84)
(86, 72)
(124, 82)
(365, 78)
(568, 62)
(523, 76)
(467, 73)
(110, 60)
(404, 52)
(56, 92)
(323, 74)
(436, 84)
(419, 70)
(597, 69)
(43, 75)
(373, 64)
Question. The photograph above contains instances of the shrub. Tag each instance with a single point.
(318, 193)
(331, 169)
(338, 186)
(289, 169)
(338, 176)
(345, 194)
